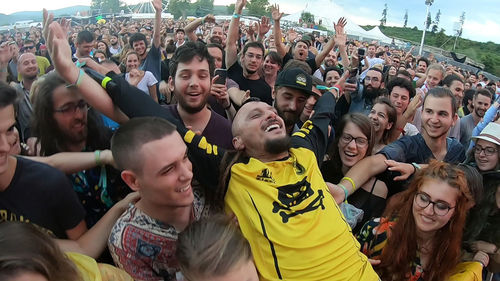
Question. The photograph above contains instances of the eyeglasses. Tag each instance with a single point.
(488, 151)
(71, 107)
(360, 141)
(251, 56)
(440, 208)
(29, 47)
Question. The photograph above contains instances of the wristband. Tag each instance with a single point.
(236, 16)
(345, 191)
(416, 166)
(351, 181)
(338, 87)
(3, 69)
(97, 155)
(229, 106)
(78, 80)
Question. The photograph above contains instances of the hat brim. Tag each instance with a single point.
(486, 138)
(307, 92)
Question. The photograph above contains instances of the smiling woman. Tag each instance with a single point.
(419, 238)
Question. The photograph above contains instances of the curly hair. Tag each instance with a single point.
(401, 249)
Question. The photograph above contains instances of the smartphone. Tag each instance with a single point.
(353, 76)
(361, 52)
(222, 76)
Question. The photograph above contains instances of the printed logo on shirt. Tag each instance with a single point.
(293, 195)
(266, 176)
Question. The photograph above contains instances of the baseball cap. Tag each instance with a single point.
(490, 133)
(295, 78)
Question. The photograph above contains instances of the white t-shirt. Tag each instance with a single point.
(148, 80)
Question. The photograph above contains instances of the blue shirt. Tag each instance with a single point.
(409, 149)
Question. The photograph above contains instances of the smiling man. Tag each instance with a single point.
(245, 73)
(481, 102)
(439, 113)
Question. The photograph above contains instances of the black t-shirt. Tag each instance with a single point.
(311, 62)
(258, 88)
(41, 195)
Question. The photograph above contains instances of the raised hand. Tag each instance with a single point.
(238, 7)
(339, 26)
(275, 12)
(264, 26)
(157, 5)
(209, 18)
(6, 53)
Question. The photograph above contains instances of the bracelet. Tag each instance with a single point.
(351, 181)
(345, 191)
(97, 155)
(338, 87)
(416, 166)
(236, 16)
(229, 106)
(78, 80)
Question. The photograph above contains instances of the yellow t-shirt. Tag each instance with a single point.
(90, 270)
(295, 228)
(43, 64)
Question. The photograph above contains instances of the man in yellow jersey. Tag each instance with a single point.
(272, 183)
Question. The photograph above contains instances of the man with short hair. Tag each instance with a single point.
(150, 60)
(372, 60)
(84, 44)
(332, 76)
(246, 72)
(401, 91)
(115, 47)
(179, 37)
(456, 86)
(27, 68)
(438, 115)
(363, 98)
(143, 239)
(421, 70)
(300, 49)
(481, 102)
(42, 62)
(216, 35)
(31, 191)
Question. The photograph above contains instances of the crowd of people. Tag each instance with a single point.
(219, 150)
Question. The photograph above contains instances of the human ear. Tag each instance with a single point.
(130, 178)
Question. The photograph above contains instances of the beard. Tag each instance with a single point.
(289, 117)
(277, 146)
(371, 93)
(250, 71)
(192, 109)
(72, 136)
(215, 40)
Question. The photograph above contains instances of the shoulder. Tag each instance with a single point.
(35, 170)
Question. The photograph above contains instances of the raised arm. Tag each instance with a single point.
(276, 15)
(192, 26)
(60, 52)
(339, 36)
(72, 162)
(157, 26)
(232, 37)
(263, 27)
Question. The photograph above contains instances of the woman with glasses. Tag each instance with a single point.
(420, 236)
(482, 232)
(354, 141)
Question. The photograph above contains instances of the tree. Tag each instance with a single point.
(436, 22)
(406, 18)
(383, 20)
(307, 17)
(230, 9)
(179, 8)
(203, 7)
(107, 6)
(258, 8)
(462, 20)
(428, 21)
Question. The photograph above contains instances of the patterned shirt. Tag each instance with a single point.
(145, 247)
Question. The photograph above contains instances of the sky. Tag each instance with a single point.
(482, 22)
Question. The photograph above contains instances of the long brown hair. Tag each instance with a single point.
(401, 249)
(27, 249)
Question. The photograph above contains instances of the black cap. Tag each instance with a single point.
(295, 78)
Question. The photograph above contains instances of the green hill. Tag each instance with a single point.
(487, 53)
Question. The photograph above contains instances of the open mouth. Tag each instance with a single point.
(184, 189)
(350, 154)
(272, 128)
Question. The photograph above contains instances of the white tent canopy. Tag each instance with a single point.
(375, 33)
